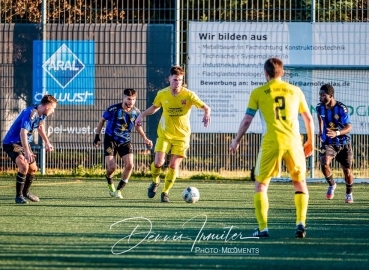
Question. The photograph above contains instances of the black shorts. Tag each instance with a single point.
(111, 147)
(13, 150)
(342, 153)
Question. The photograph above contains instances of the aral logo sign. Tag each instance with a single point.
(64, 69)
(63, 66)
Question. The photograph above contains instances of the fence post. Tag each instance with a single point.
(313, 11)
(177, 30)
(42, 146)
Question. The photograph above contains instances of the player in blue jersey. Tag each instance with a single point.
(334, 129)
(121, 119)
(16, 145)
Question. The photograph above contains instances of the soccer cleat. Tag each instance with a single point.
(20, 200)
(330, 192)
(151, 191)
(118, 194)
(111, 190)
(31, 197)
(261, 234)
(349, 198)
(164, 197)
(300, 231)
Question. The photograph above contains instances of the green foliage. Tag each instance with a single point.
(118, 11)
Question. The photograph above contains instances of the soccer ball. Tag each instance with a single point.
(191, 195)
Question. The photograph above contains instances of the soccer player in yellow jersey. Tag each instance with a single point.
(173, 130)
(280, 103)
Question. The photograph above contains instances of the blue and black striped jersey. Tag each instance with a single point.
(334, 119)
(120, 122)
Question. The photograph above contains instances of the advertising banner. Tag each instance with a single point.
(66, 70)
(226, 62)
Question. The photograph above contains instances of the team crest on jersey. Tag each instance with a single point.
(109, 150)
(184, 102)
(336, 117)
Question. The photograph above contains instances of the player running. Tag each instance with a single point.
(173, 130)
(121, 118)
(334, 129)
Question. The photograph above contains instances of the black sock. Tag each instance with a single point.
(349, 188)
(109, 180)
(121, 185)
(28, 183)
(330, 180)
(21, 179)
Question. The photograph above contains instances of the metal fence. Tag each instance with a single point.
(131, 54)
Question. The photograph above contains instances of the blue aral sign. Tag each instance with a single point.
(64, 69)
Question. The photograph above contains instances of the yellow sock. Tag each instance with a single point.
(261, 204)
(301, 203)
(169, 180)
(155, 172)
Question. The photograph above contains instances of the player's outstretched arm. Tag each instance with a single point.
(151, 110)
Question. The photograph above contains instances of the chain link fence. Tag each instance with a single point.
(135, 44)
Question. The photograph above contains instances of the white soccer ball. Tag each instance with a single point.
(191, 195)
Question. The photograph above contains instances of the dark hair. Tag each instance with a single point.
(177, 70)
(46, 99)
(328, 89)
(129, 92)
(274, 67)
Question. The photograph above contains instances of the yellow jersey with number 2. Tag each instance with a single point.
(280, 104)
(175, 120)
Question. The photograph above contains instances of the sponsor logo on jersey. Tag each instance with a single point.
(17, 148)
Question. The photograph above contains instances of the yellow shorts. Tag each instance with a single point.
(269, 163)
(174, 146)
